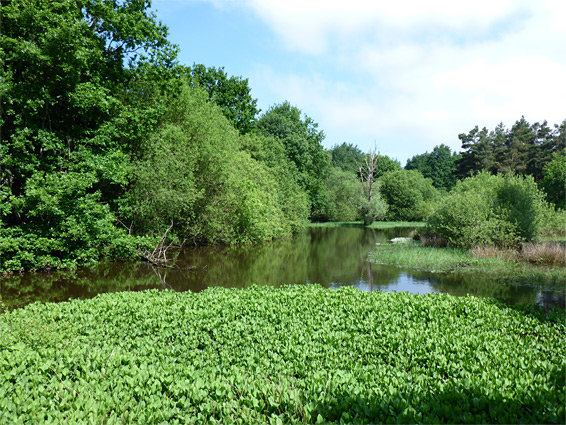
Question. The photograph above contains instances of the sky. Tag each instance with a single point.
(398, 76)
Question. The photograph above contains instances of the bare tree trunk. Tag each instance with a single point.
(367, 169)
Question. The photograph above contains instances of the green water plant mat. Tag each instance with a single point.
(297, 354)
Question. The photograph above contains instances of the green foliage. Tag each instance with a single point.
(439, 166)
(466, 219)
(488, 209)
(371, 210)
(408, 194)
(347, 200)
(289, 355)
(347, 157)
(554, 181)
(67, 225)
(344, 192)
(293, 199)
(553, 225)
(196, 178)
(384, 165)
(524, 149)
(232, 94)
(302, 142)
(68, 129)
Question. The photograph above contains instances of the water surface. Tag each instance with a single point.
(332, 257)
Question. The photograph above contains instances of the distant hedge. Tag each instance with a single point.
(298, 354)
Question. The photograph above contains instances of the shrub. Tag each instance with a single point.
(487, 209)
(553, 223)
(370, 211)
(67, 225)
(554, 180)
(408, 195)
(343, 190)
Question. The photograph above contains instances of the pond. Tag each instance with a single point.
(331, 257)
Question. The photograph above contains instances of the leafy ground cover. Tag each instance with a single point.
(297, 354)
(459, 260)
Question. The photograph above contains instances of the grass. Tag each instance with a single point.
(297, 354)
(500, 265)
(374, 225)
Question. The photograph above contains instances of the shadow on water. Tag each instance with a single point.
(332, 257)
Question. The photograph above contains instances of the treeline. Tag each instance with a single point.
(110, 147)
(504, 188)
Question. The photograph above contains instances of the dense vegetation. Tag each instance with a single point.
(490, 210)
(111, 148)
(299, 354)
(108, 144)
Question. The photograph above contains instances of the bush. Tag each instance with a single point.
(343, 190)
(408, 194)
(553, 223)
(554, 180)
(370, 211)
(488, 209)
(67, 225)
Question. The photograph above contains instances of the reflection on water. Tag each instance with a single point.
(332, 257)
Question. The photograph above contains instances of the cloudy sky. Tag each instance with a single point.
(403, 75)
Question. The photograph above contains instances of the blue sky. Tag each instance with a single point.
(402, 76)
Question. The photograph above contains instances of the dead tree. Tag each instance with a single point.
(158, 257)
(367, 169)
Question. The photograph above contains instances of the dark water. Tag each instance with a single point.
(332, 257)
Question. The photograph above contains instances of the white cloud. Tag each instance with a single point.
(424, 71)
(316, 26)
(411, 74)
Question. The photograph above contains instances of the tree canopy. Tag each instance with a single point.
(69, 69)
(302, 142)
(524, 149)
(346, 157)
(108, 143)
(232, 94)
(439, 166)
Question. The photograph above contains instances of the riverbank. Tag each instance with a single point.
(297, 354)
(374, 225)
(500, 267)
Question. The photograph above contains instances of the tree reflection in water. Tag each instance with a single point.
(332, 257)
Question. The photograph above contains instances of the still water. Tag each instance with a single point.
(331, 257)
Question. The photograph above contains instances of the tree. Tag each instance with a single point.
(477, 152)
(385, 165)
(371, 207)
(343, 193)
(408, 195)
(554, 180)
(68, 70)
(439, 166)
(519, 140)
(232, 94)
(346, 157)
(198, 181)
(523, 150)
(367, 169)
(302, 142)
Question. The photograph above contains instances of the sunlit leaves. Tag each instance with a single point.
(298, 354)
